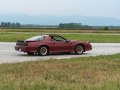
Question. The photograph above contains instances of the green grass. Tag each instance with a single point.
(85, 73)
(99, 38)
(58, 31)
(13, 37)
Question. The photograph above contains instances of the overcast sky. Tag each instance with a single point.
(98, 8)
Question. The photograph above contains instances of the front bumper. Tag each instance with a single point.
(88, 47)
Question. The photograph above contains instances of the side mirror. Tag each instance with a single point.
(67, 40)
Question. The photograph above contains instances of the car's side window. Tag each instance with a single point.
(59, 38)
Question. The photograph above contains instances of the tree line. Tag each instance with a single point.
(9, 24)
(67, 26)
(73, 26)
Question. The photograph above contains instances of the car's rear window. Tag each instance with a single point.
(36, 38)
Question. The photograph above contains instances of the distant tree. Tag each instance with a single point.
(60, 25)
(17, 25)
(106, 28)
(9, 24)
(13, 24)
(2, 24)
(70, 25)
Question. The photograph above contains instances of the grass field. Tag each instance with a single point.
(58, 31)
(89, 73)
(85, 73)
(12, 35)
(101, 38)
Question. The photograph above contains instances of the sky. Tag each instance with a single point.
(94, 8)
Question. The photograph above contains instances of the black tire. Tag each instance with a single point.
(43, 51)
(30, 53)
(79, 49)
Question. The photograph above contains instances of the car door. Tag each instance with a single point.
(60, 44)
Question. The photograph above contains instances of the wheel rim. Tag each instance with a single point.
(79, 49)
(43, 50)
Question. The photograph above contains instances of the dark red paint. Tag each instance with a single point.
(31, 46)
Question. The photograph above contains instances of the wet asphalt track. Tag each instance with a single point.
(9, 55)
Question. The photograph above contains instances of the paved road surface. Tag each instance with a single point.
(9, 55)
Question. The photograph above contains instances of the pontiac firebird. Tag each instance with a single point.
(48, 44)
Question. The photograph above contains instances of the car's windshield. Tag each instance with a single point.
(59, 38)
(36, 38)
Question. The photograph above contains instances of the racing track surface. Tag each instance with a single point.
(9, 55)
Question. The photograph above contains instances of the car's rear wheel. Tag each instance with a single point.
(79, 49)
(30, 53)
(43, 51)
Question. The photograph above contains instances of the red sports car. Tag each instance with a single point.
(48, 44)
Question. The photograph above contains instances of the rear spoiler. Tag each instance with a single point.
(21, 42)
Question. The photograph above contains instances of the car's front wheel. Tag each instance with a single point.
(79, 49)
(43, 51)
